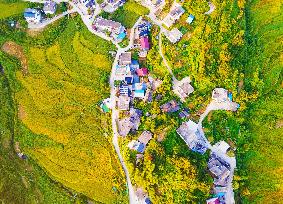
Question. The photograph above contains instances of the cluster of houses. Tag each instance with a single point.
(141, 40)
(219, 163)
(35, 15)
(114, 29)
(222, 173)
(176, 11)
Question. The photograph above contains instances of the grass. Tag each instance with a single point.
(264, 162)
(21, 181)
(128, 14)
(67, 78)
(11, 9)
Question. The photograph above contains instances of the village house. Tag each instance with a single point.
(49, 7)
(105, 105)
(175, 13)
(88, 3)
(139, 90)
(170, 107)
(32, 15)
(124, 126)
(140, 144)
(130, 123)
(142, 197)
(124, 90)
(174, 35)
(189, 132)
(222, 146)
(134, 65)
(121, 71)
(213, 201)
(183, 88)
(220, 169)
(144, 43)
(123, 103)
(125, 58)
(220, 95)
(116, 29)
(112, 5)
(224, 99)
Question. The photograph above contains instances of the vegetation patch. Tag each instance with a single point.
(17, 51)
(128, 14)
(10, 9)
(60, 97)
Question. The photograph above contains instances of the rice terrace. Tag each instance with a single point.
(141, 101)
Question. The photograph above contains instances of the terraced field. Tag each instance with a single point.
(59, 99)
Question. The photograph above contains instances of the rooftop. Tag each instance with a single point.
(125, 58)
(49, 7)
(220, 94)
(174, 35)
(170, 107)
(123, 103)
(145, 137)
(220, 169)
(183, 88)
(190, 134)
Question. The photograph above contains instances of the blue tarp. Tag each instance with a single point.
(29, 14)
(121, 36)
(141, 148)
(190, 19)
(230, 96)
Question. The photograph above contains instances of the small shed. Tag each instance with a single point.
(190, 19)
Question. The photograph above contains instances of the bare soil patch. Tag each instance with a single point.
(17, 51)
(21, 112)
(34, 32)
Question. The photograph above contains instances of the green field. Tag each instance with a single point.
(11, 9)
(61, 126)
(21, 181)
(60, 99)
(264, 162)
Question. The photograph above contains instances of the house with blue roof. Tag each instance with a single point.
(32, 15)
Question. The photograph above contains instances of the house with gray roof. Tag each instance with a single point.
(189, 132)
(49, 7)
(220, 170)
(170, 107)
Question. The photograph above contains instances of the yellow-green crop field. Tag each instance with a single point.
(59, 99)
(10, 9)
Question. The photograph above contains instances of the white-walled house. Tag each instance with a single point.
(32, 15)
